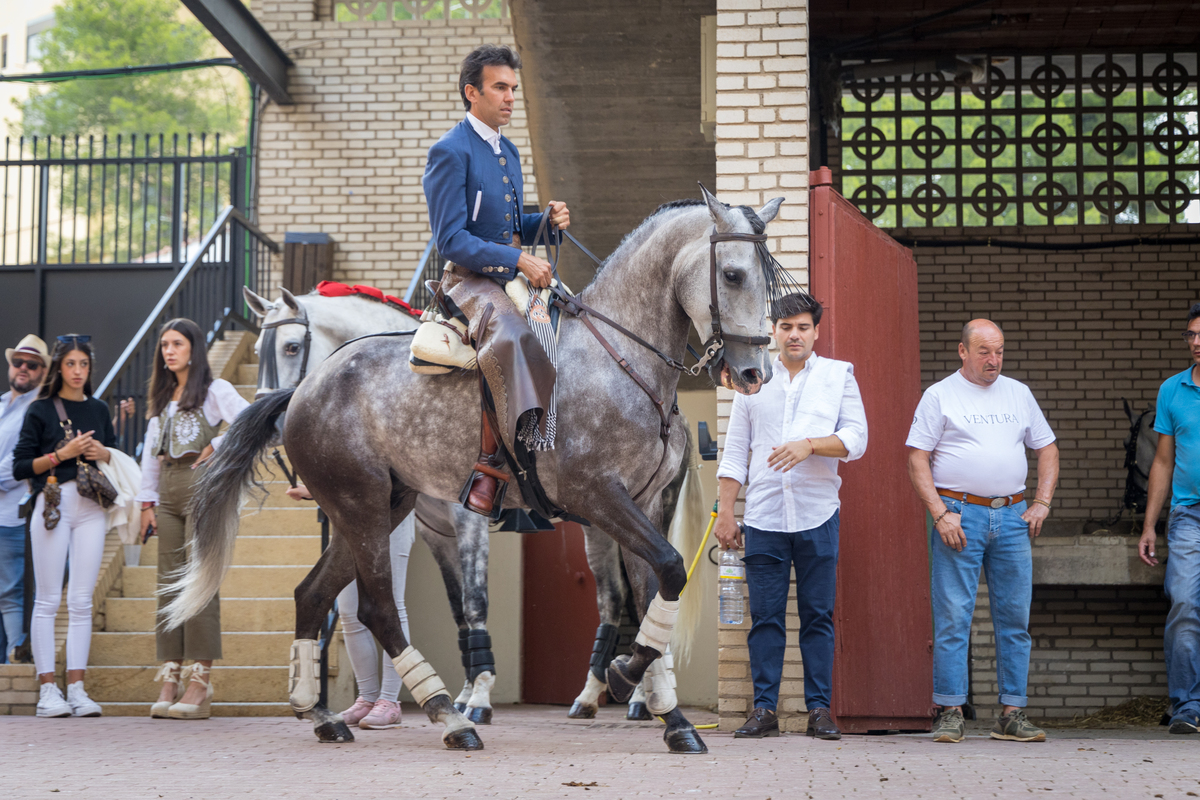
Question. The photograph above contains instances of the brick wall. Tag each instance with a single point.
(347, 158)
(18, 689)
(1083, 329)
(762, 152)
(1093, 646)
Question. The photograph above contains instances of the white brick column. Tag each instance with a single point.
(762, 152)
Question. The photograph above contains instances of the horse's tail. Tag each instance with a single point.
(687, 535)
(215, 506)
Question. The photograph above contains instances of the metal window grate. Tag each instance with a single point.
(1046, 140)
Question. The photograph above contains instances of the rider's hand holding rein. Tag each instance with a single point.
(560, 215)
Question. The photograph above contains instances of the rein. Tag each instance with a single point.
(571, 304)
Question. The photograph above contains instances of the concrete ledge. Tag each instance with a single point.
(1093, 561)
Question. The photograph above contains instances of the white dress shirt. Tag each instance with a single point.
(12, 417)
(822, 400)
(485, 132)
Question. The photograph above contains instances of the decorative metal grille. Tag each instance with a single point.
(1047, 140)
(392, 10)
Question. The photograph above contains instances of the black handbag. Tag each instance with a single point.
(89, 480)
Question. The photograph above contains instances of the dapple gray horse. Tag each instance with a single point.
(307, 329)
(369, 435)
(299, 333)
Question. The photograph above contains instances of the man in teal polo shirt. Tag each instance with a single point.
(1177, 465)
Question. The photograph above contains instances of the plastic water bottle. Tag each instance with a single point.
(730, 576)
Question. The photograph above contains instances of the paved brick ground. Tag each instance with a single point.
(535, 752)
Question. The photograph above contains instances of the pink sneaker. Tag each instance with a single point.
(384, 715)
(354, 714)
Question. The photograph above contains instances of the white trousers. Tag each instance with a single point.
(79, 535)
(360, 643)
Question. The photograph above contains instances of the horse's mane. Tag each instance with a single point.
(686, 204)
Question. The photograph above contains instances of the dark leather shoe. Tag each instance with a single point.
(820, 724)
(762, 723)
(482, 497)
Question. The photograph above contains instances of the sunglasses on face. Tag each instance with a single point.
(1190, 335)
(20, 363)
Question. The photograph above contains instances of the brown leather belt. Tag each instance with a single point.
(976, 500)
(184, 460)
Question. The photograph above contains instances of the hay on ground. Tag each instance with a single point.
(1139, 711)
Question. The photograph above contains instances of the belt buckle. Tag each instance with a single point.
(999, 502)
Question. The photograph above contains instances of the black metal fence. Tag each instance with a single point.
(429, 269)
(208, 290)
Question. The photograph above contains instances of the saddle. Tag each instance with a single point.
(442, 342)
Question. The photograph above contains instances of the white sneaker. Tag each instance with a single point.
(81, 705)
(51, 702)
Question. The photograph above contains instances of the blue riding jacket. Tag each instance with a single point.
(474, 199)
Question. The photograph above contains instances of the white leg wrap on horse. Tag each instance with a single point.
(465, 694)
(639, 691)
(418, 675)
(304, 688)
(590, 696)
(661, 698)
(481, 694)
(658, 623)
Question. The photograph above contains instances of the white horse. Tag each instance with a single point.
(457, 538)
(298, 333)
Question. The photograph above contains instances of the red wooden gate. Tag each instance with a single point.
(883, 667)
(558, 615)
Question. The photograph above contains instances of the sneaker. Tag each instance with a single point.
(51, 703)
(385, 714)
(81, 705)
(1016, 727)
(1184, 722)
(354, 714)
(950, 726)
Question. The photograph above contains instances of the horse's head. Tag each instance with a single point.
(291, 342)
(743, 288)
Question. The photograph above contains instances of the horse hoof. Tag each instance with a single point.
(638, 711)
(333, 731)
(580, 711)
(465, 739)
(620, 687)
(480, 716)
(460, 708)
(684, 740)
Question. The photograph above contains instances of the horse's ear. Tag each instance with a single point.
(770, 210)
(721, 214)
(290, 300)
(258, 304)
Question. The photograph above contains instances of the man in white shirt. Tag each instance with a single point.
(967, 463)
(788, 439)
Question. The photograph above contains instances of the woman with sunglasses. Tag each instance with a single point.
(186, 407)
(50, 447)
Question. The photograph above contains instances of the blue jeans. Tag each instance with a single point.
(997, 541)
(1181, 639)
(769, 558)
(12, 587)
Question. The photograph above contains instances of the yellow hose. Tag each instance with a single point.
(712, 521)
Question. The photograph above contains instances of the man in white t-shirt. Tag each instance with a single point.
(967, 463)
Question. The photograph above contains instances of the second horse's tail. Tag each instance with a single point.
(216, 503)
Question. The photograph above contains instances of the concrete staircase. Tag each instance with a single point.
(276, 547)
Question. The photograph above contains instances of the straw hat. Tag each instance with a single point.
(30, 345)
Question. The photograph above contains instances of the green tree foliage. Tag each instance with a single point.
(91, 34)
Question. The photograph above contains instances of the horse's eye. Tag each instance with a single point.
(291, 349)
(733, 276)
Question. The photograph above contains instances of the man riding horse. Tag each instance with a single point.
(473, 188)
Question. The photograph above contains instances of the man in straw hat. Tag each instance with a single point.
(27, 363)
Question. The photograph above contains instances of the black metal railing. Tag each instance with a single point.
(429, 269)
(208, 290)
(125, 200)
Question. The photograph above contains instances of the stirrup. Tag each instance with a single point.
(502, 482)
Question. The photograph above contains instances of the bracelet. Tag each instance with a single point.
(944, 513)
(148, 504)
(811, 446)
(1043, 502)
(54, 462)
